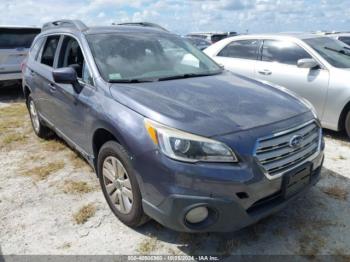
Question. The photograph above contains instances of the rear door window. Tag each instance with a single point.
(244, 49)
(13, 38)
(49, 51)
(284, 52)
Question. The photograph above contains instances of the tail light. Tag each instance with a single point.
(23, 65)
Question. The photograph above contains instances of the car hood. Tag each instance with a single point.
(211, 105)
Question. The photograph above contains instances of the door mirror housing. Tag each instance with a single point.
(67, 75)
(308, 63)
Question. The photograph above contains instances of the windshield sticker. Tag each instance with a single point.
(115, 76)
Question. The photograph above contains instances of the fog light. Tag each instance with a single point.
(196, 215)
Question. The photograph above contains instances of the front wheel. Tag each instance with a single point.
(347, 124)
(119, 184)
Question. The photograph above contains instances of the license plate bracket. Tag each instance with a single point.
(295, 181)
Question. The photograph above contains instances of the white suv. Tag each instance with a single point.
(312, 66)
(14, 44)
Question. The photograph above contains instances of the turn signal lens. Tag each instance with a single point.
(152, 132)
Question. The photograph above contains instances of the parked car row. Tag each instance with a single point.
(171, 135)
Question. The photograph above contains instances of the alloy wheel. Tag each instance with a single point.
(117, 183)
(34, 116)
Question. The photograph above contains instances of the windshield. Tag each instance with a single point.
(17, 38)
(141, 56)
(334, 51)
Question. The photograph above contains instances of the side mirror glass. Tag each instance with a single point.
(308, 63)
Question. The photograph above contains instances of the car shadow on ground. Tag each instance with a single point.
(341, 135)
(11, 94)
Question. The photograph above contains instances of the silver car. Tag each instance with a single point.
(312, 66)
(14, 44)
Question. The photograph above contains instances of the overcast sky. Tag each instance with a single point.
(182, 16)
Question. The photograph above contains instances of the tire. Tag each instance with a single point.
(39, 128)
(117, 179)
(347, 124)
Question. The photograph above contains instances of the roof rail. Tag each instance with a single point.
(145, 24)
(65, 23)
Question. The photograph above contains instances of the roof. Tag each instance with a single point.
(207, 33)
(61, 26)
(122, 28)
(298, 35)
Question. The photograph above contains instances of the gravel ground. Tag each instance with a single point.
(50, 203)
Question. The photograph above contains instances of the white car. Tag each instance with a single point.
(312, 66)
(15, 42)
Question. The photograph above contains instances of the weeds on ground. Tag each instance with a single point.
(53, 145)
(336, 192)
(76, 187)
(84, 213)
(12, 118)
(147, 245)
(311, 244)
(13, 137)
(42, 172)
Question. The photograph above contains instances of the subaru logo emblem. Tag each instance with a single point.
(296, 141)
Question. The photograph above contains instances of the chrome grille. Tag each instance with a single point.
(276, 154)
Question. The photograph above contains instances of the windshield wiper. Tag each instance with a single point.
(186, 76)
(131, 81)
(338, 51)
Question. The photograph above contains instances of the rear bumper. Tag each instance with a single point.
(225, 214)
(16, 75)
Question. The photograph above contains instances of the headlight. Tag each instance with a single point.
(187, 147)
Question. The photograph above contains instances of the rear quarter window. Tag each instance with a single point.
(243, 49)
(34, 51)
(49, 51)
(12, 38)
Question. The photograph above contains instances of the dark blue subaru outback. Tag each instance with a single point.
(171, 135)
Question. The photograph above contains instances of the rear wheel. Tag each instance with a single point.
(119, 184)
(347, 124)
(39, 128)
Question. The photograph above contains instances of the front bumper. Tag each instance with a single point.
(225, 213)
(236, 194)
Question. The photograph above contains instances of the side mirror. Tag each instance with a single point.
(308, 63)
(67, 75)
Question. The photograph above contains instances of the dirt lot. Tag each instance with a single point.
(50, 203)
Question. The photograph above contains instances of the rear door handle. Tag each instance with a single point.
(265, 72)
(52, 87)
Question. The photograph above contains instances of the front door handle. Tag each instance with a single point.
(52, 87)
(265, 72)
